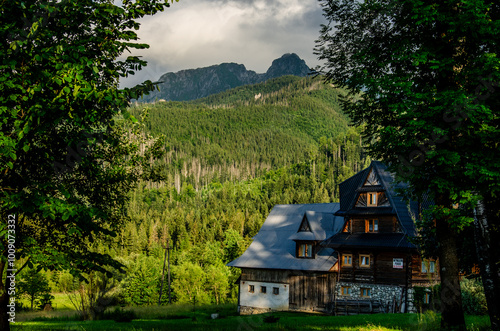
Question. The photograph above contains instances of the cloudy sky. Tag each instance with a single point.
(199, 33)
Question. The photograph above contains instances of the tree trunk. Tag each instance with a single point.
(487, 264)
(452, 315)
(4, 317)
(4, 300)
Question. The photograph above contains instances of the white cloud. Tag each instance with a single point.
(199, 33)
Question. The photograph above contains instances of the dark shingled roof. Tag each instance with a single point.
(368, 240)
(274, 246)
(400, 206)
(348, 189)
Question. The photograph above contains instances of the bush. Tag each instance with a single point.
(434, 298)
(473, 298)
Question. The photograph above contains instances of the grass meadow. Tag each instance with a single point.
(184, 317)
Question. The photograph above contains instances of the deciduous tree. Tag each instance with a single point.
(65, 165)
(426, 71)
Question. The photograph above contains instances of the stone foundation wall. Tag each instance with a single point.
(387, 294)
(411, 306)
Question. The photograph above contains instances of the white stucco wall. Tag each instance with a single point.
(264, 300)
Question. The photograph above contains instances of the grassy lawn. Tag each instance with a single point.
(60, 302)
(181, 317)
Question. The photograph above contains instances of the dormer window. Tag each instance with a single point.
(305, 250)
(371, 199)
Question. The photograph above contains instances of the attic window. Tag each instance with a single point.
(305, 250)
(371, 199)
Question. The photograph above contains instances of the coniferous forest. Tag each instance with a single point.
(229, 158)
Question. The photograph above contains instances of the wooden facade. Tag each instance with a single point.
(324, 254)
(380, 271)
(308, 291)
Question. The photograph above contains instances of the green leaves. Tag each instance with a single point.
(59, 92)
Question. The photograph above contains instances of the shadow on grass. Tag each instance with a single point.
(182, 317)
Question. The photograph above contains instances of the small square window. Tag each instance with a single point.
(305, 250)
(276, 290)
(345, 290)
(263, 289)
(428, 266)
(366, 292)
(347, 260)
(251, 288)
(371, 225)
(364, 261)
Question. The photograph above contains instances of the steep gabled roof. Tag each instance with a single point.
(274, 247)
(400, 206)
(350, 189)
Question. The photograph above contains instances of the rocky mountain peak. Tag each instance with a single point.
(198, 83)
(288, 64)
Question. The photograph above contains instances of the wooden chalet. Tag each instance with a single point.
(329, 257)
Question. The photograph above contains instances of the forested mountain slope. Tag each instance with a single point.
(242, 133)
(230, 158)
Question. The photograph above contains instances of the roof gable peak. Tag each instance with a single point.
(304, 225)
(372, 179)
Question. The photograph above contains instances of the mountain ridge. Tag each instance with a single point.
(191, 84)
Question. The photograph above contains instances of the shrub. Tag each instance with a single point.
(473, 298)
(420, 294)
